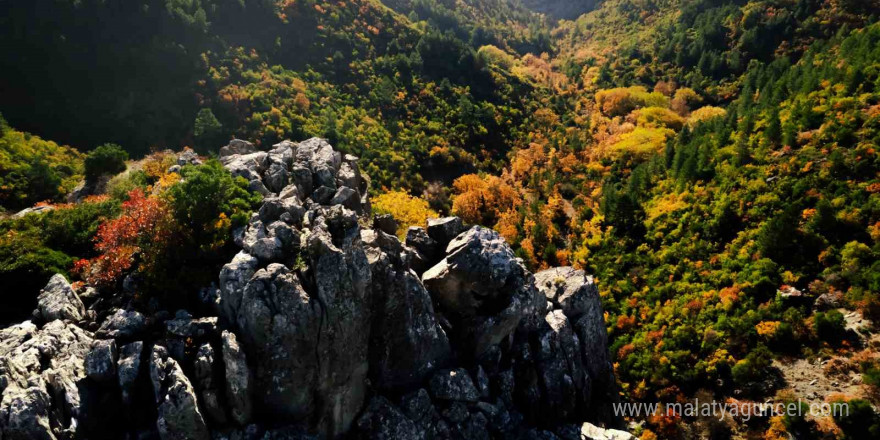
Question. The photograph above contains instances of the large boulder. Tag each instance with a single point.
(238, 379)
(179, 417)
(42, 380)
(483, 289)
(342, 279)
(310, 347)
(280, 325)
(443, 230)
(576, 294)
(455, 385)
(250, 166)
(237, 146)
(128, 369)
(408, 342)
(123, 324)
(382, 420)
(58, 301)
(101, 361)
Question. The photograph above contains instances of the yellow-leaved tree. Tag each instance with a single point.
(406, 209)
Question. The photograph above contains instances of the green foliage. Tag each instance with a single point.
(829, 326)
(108, 159)
(34, 170)
(208, 131)
(859, 420)
(753, 367)
(37, 246)
(209, 201)
(26, 264)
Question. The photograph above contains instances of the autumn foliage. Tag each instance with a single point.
(482, 200)
(140, 235)
(406, 209)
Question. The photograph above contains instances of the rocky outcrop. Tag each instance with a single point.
(58, 301)
(42, 379)
(408, 342)
(482, 288)
(178, 412)
(323, 325)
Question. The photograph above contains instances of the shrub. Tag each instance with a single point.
(136, 239)
(706, 113)
(659, 117)
(753, 368)
(37, 246)
(620, 101)
(25, 263)
(642, 142)
(830, 326)
(106, 159)
(121, 184)
(208, 202)
(858, 421)
(33, 170)
(406, 209)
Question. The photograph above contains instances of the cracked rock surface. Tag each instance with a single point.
(323, 325)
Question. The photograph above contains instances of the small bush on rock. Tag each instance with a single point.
(108, 159)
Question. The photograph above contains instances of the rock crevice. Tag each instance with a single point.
(323, 325)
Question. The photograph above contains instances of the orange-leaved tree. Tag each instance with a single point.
(482, 200)
(138, 237)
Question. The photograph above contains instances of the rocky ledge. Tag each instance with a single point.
(324, 325)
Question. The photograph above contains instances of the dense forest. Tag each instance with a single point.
(713, 163)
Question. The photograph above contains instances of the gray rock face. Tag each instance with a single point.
(58, 301)
(482, 288)
(237, 146)
(384, 421)
(178, 412)
(280, 323)
(250, 166)
(455, 385)
(128, 367)
(385, 223)
(426, 252)
(123, 324)
(443, 230)
(408, 342)
(238, 380)
(41, 380)
(293, 333)
(101, 361)
(577, 295)
(342, 280)
(562, 358)
(203, 380)
(188, 157)
(233, 278)
(293, 325)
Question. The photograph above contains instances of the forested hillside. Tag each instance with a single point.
(712, 162)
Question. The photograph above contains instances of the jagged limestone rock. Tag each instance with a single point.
(408, 342)
(123, 324)
(454, 385)
(179, 417)
(101, 361)
(128, 368)
(41, 379)
(238, 379)
(483, 289)
(58, 301)
(237, 146)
